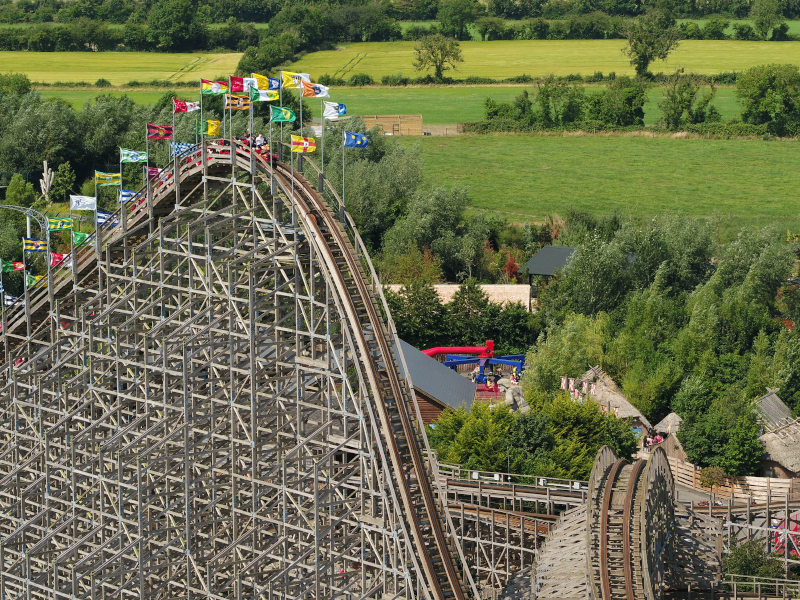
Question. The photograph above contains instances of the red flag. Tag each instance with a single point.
(159, 132)
(57, 259)
(18, 266)
(179, 106)
(152, 173)
(237, 84)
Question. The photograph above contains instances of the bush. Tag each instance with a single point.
(744, 32)
(360, 80)
(102, 83)
(15, 84)
(519, 79)
(331, 80)
(394, 80)
(416, 32)
(475, 80)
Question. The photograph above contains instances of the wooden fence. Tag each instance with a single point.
(759, 489)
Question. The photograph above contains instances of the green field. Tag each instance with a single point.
(438, 106)
(117, 67)
(510, 58)
(528, 177)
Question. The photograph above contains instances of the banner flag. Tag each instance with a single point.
(266, 83)
(152, 173)
(126, 195)
(334, 110)
(178, 148)
(355, 140)
(131, 156)
(58, 223)
(103, 216)
(303, 144)
(79, 237)
(58, 260)
(105, 179)
(179, 106)
(8, 266)
(294, 80)
(12, 300)
(34, 245)
(281, 114)
(243, 84)
(315, 90)
(213, 88)
(237, 102)
(208, 127)
(263, 95)
(159, 132)
(31, 280)
(82, 203)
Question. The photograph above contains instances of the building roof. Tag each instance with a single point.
(772, 411)
(548, 260)
(497, 293)
(608, 394)
(669, 424)
(434, 379)
(782, 445)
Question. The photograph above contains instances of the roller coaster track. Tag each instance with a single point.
(209, 404)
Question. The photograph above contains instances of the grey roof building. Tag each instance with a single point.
(437, 387)
(547, 261)
(772, 411)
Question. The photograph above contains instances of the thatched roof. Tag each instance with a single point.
(669, 424)
(772, 411)
(782, 445)
(608, 394)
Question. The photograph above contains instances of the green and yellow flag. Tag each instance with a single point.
(208, 127)
(57, 223)
(281, 114)
(32, 280)
(103, 179)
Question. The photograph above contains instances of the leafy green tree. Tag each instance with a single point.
(418, 314)
(559, 102)
(20, 192)
(714, 29)
(456, 15)
(173, 26)
(437, 52)
(620, 104)
(751, 559)
(492, 27)
(769, 95)
(15, 84)
(743, 450)
(682, 105)
(63, 182)
(467, 314)
(766, 15)
(651, 36)
(412, 265)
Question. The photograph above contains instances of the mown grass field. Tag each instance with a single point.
(527, 177)
(438, 106)
(117, 67)
(509, 58)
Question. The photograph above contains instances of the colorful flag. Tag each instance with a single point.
(571, 385)
(126, 195)
(159, 132)
(32, 280)
(34, 245)
(263, 95)
(179, 106)
(281, 114)
(152, 173)
(58, 223)
(103, 216)
(243, 84)
(315, 90)
(334, 110)
(105, 179)
(563, 383)
(355, 140)
(131, 156)
(237, 102)
(8, 266)
(303, 144)
(266, 83)
(83, 202)
(208, 127)
(57, 259)
(213, 88)
(178, 148)
(294, 80)
(12, 300)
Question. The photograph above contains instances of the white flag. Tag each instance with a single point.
(82, 203)
(333, 110)
(249, 83)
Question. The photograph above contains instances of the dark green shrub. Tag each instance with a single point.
(359, 80)
(102, 83)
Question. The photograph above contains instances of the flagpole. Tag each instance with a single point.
(280, 101)
(322, 120)
(25, 278)
(301, 113)
(201, 116)
(271, 159)
(341, 207)
(230, 116)
(72, 235)
(96, 228)
(252, 140)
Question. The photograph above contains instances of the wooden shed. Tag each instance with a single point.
(395, 124)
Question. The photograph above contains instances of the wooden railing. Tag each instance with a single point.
(453, 471)
(761, 586)
(758, 489)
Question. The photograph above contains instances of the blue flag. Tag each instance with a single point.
(177, 148)
(126, 195)
(355, 140)
(274, 84)
(103, 216)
